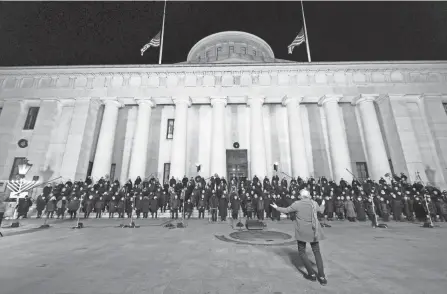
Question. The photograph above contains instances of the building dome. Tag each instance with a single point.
(231, 47)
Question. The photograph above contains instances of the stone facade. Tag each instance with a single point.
(312, 119)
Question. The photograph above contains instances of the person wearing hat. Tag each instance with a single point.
(307, 230)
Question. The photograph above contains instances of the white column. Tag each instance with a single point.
(138, 157)
(296, 138)
(178, 149)
(257, 143)
(104, 148)
(131, 125)
(339, 150)
(378, 164)
(218, 150)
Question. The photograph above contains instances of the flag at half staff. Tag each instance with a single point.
(300, 39)
(154, 42)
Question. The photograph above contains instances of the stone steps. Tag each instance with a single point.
(195, 214)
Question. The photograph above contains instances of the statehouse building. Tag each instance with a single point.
(231, 107)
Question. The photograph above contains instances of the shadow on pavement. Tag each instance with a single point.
(291, 257)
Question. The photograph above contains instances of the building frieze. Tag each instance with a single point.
(293, 76)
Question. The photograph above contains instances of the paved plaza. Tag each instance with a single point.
(102, 258)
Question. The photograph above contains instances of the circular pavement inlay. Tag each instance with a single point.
(265, 236)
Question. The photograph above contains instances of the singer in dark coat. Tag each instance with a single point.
(154, 207)
(175, 204)
(214, 203)
(223, 208)
(40, 205)
(360, 209)
(235, 206)
(201, 206)
(145, 204)
(307, 230)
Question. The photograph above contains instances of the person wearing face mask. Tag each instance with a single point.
(235, 206)
(188, 208)
(267, 207)
(360, 209)
(112, 207)
(154, 207)
(260, 210)
(249, 207)
(201, 206)
(406, 208)
(396, 205)
(384, 210)
(98, 207)
(223, 208)
(138, 204)
(214, 203)
(145, 206)
(370, 210)
(88, 206)
(175, 203)
(339, 208)
(73, 207)
(350, 209)
(307, 230)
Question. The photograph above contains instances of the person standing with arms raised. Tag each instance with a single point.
(307, 230)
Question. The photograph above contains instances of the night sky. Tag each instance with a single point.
(94, 33)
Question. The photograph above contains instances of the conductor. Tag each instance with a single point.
(307, 229)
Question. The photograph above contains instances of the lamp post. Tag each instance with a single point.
(20, 185)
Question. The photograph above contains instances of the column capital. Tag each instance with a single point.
(432, 96)
(329, 99)
(382, 98)
(93, 101)
(111, 102)
(255, 100)
(148, 102)
(31, 102)
(182, 100)
(287, 99)
(49, 99)
(218, 100)
(365, 98)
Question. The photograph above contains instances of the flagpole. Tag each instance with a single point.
(162, 34)
(305, 33)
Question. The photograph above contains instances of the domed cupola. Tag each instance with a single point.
(232, 47)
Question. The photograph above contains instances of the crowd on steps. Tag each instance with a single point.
(392, 197)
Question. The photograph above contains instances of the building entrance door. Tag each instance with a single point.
(237, 164)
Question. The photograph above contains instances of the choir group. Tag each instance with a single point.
(394, 198)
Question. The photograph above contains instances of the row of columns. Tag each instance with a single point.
(340, 159)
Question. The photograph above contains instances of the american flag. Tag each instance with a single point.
(155, 42)
(300, 39)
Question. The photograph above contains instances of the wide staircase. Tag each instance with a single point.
(195, 214)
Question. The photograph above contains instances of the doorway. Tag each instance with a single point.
(237, 164)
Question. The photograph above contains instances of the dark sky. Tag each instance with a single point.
(93, 33)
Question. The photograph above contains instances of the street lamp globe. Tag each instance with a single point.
(24, 168)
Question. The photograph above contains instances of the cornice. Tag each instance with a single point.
(94, 71)
(357, 75)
